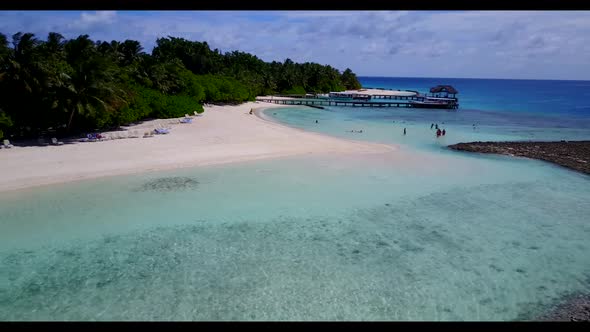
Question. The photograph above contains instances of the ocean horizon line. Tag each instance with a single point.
(478, 78)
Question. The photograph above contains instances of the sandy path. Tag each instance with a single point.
(223, 134)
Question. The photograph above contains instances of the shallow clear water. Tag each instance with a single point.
(386, 125)
(421, 233)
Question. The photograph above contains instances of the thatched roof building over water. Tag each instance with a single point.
(447, 90)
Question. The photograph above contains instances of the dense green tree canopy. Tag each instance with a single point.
(76, 85)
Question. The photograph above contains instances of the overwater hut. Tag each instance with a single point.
(444, 91)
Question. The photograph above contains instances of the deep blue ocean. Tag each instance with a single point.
(523, 97)
(496, 102)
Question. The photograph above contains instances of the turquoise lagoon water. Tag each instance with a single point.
(421, 233)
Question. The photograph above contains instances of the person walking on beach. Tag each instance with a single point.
(444, 132)
(250, 111)
(404, 131)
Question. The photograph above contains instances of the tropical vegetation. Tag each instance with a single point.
(76, 85)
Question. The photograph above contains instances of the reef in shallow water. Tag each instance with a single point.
(573, 308)
(573, 154)
(169, 184)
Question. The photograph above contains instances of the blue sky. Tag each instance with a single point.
(488, 44)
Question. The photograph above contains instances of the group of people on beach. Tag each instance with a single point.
(439, 132)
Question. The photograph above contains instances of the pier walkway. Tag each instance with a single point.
(332, 102)
(442, 97)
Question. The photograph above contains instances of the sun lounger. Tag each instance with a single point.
(6, 144)
(159, 125)
(162, 131)
(54, 141)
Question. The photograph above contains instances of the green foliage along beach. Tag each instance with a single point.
(77, 85)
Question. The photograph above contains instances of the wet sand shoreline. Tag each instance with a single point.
(222, 135)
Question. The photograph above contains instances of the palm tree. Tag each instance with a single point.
(23, 80)
(91, 87)
(4, 51)
(24, 65)
(131, 51)
(55, 43)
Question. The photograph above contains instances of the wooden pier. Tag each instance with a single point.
(442, 97)
(332, 102)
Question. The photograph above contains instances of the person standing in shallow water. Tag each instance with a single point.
(404, 131)
(444, 132)
(316, 121)
(431, 125)
(438, 132)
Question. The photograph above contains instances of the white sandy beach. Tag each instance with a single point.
(223, 134)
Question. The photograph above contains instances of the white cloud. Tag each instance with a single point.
(315, 14)
(461, 44)
(88, 20)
